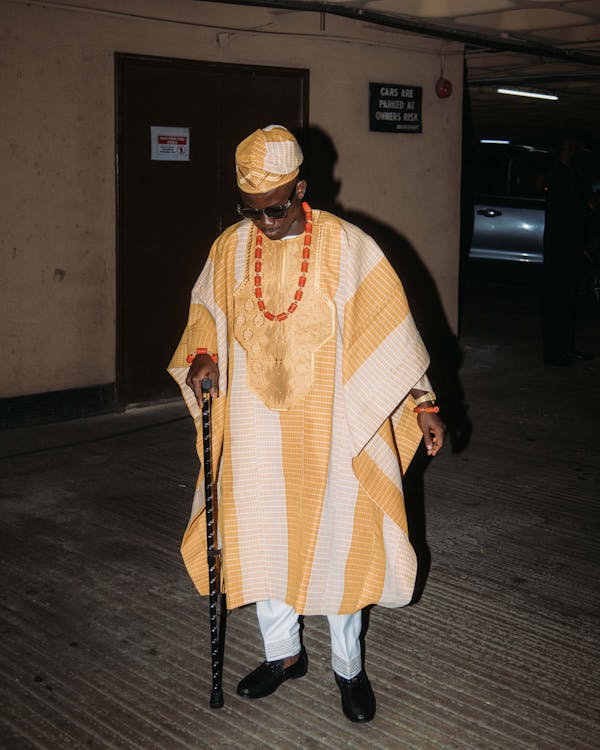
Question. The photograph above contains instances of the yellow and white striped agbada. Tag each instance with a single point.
(311, 510)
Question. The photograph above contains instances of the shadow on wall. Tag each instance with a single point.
(422, 293)
(429, 315)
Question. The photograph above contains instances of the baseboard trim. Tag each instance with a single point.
(56, 406)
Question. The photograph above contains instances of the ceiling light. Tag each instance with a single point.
(530, 94)
(493, 140)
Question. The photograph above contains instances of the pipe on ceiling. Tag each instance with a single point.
(533, 78)
(423, 27)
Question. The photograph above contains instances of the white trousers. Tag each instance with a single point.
(281, 635)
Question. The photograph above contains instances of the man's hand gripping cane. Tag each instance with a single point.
(203, 366)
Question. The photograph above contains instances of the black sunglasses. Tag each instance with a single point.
(272, 212)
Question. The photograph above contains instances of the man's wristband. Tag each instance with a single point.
(191, 357)
(429, 396)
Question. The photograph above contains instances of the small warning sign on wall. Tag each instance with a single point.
(169, 144)
(395, 108)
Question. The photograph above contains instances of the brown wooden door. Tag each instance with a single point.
(169, 212)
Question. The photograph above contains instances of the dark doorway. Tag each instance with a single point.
(169, 212)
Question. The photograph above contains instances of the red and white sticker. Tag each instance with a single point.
(169, 143)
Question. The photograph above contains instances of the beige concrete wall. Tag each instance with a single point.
(57, 282)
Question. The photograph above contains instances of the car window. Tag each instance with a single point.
(527, 176)
(491, 174)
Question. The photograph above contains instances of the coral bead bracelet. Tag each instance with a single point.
(191, 357)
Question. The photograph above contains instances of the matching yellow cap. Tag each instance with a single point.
(267, 159)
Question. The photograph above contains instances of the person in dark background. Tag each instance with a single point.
(564, 253)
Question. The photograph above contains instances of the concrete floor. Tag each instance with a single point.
(105, 643)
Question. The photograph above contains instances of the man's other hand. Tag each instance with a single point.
(433, 430)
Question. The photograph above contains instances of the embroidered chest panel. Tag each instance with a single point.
(280, 355)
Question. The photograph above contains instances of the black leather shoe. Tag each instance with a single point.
(560, 360)
(358, 699)
(583, 356)
(265, 679)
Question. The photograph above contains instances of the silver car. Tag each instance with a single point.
(510, 183)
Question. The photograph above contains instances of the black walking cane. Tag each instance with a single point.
(217, 631)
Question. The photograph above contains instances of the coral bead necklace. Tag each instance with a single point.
(303, 270)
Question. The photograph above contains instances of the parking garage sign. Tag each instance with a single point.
(395, 108)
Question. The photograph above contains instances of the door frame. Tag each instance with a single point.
(122, 59)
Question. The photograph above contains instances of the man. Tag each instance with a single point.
(565, 254)
(320, 370)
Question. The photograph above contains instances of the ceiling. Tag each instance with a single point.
(570, 68)
(544, 45)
